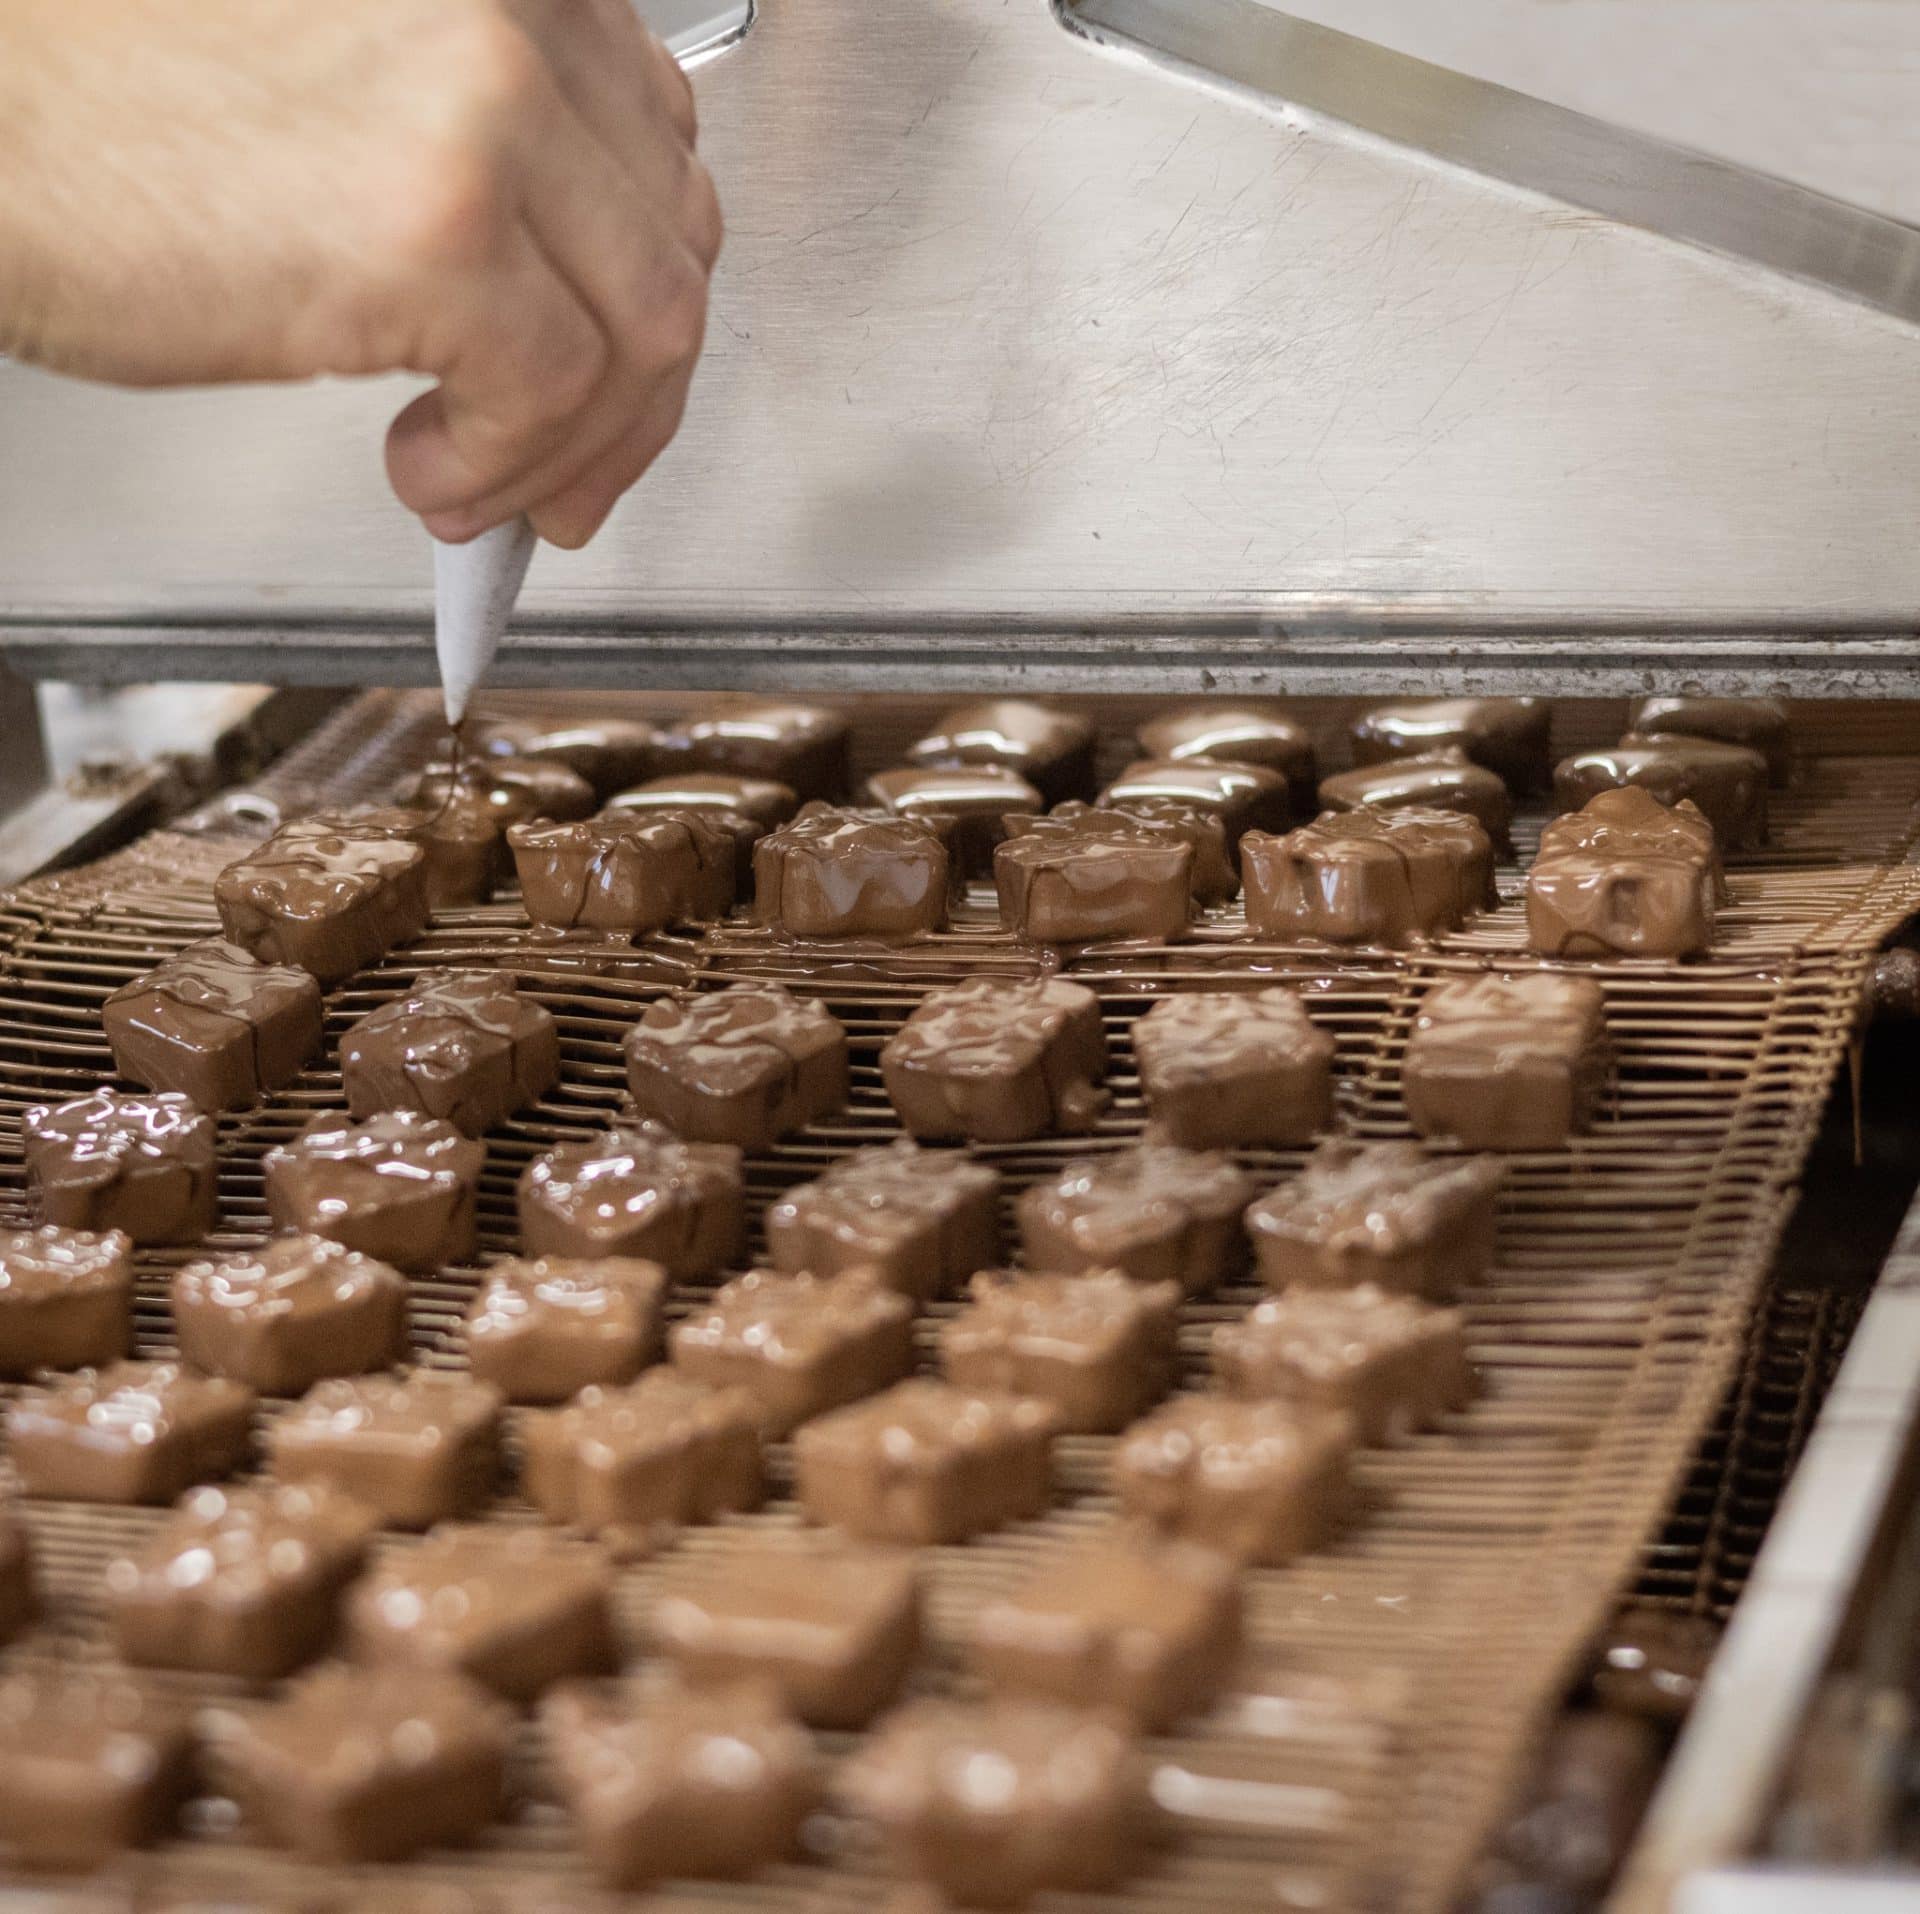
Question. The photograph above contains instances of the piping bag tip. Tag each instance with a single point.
(475, 586)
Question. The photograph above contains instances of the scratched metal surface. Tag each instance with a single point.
(1014, 329)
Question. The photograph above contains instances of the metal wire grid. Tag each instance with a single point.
(1395, 1677)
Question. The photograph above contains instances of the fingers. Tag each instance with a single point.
(612, 69)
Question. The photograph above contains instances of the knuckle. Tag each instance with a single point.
(572, 369)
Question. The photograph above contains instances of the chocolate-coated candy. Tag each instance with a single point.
(1085, 877)
(370, 1764)
(1242, 796)
(1758, 723)
(1435, 781)
(1384, 1213)
(636, 1190)
(798, 745)
(744, 1065)
(833, 1628)
(999, 1061)
(543, 1328)
(1391, 1363)
(1215, 875)
(798, 1345)
(66, 1298)
(917, 1220)
(463, 1045)
(1236, 734)
(90, 1763)
(664, 1451)
(280, 1317)
(1625, 876)
(1368, 877)
(514, 1609)
(1051, 749)
(242, 1582)
(1727, 781)
(143, 1165)
(978, 798)
(761, 802)
(1507, 1063)
(1097, 1346)
(514, 788)
(1153, 1210)
(132, 1432)
(991, 1804)
(1508, 735)
(1222, 1069)
(215, 1024)
(708, 1784)
(1124, 1621)
(417, 1449)
(1257, 1481)
(609, 753)
(627, 873)
(924, 1462)
(398, 1186)
(323, 900)
(840, 873)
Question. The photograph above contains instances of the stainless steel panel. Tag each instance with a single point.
(1012, 329)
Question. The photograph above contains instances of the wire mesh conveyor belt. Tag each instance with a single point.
(1396, 1677)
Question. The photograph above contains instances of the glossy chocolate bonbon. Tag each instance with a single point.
(1243, 797)
(799, 745)
(215, 1024)
(1220, 1069)
(1507, 735)
(1727, 781)
(545, 1327)
(1052, 749)
(143, 1165)
(626, 873)
(1625, 876)
(1760, 724)
(1261, 734)
(1435, 781)
(1090, 876)
(978, 798)
(845, 873)
(66, 1298)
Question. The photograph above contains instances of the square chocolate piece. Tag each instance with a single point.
(18, 1603)
(761, 802)
(90, 1763)
(745, 1065)
(1507, 1063)
(664, 1451)
(462, 1045)
(999, 1061)
(629, 873)
(242, 1582)
(214, 1024)
(514, 1609)
(978, 799)
(798, 745)
(1244, 797)
(1152, 1210)
(1064, 1812)
(398, 1186)
(1255, 1481)
(1758, 723)
(66, 1299)
(132, 1432)
(370, 1764)
(609, 753)
(1221, 1069)
(1368, 877)
(1236, 734)
(1098, 1347)
(1124, 1621)
(636, 1190)
(1215, 875)
(833, 1629)
(1051, 749)
(798, 1345)
(323, 901)
(543, 1328)
(917, 1220)
(839, 873)
(1385, 1213)
(280, 1317)
(1727, 781)
(924, 1462)
(417, 1449)
(1391, 1363)
(1625, 877)
(1435, 781)
(711, 1785)
(143, 1165)
(1086, 877)
(1507, 735)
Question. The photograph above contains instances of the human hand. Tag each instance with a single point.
(501, 194)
